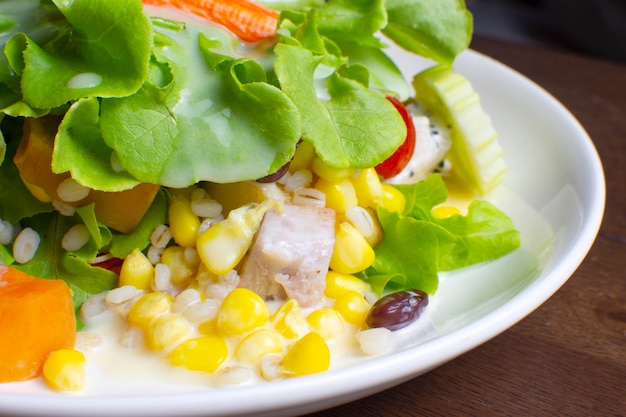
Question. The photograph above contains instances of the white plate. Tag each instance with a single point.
(554, 192)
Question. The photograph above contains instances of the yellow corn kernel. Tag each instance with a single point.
(147, 307)
(303, 157)
(137, 271)
(368, 188)
(329, 173)
(258, 344)
(224, 244)
(352, 253)
(64, 370)
(204, 353)
(393, 199)
(309, 355)
(338, 284)
(241, 311)
(166, 330)
(443, 212)
(289, 321)
(339, 194)
(181, 269)
(184, 224)
(208, 327)
(326, 321)
(353, 308)
(233, 195)
(365, 220)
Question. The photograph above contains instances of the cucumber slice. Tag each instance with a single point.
(476, 154)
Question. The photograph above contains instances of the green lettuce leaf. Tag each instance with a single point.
(16, 202)
(40, 19)
(405, 257)
(124, 244)
(6, 257)
(417, 245)
(51, 261)
(217, 120)
(79, 135)
(100, 234)
(102, 50)
(437, 29)
(354, 21)
(349, 124)
(483, 234)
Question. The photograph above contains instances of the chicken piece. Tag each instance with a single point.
(291, 253)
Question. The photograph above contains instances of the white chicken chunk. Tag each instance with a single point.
(291, 254)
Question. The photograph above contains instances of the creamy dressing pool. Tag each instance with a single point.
(110, 365)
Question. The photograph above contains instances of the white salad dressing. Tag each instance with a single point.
(111, 364)
(85, 80)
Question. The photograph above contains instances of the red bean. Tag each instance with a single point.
(276, 175)
(397, 310)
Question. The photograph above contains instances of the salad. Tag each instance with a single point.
(239, 187)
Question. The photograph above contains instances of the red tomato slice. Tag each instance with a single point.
(112, 264)
(393, 165)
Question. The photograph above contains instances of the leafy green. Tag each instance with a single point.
(404, 258)
(6, 258)
(437, 29)
(354, 21)
(102, 50)
(218, 120)
(348, 124)
(51, 261)
(416, 244)
(123, 244)
(80, 135)
(17, 202)
(100, 234)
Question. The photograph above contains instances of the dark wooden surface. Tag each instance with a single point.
(568, 358)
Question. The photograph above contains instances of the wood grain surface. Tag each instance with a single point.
(568, 357)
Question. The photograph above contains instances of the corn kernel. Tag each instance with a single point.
(205, 353)
(339, 194)
(208, 327)
(308, 355)
(289, 321)
(166, 330)
(443, 212)
(241, 311)
(339, 284)
(393, 199)
(64, 370)
(352, 253)
(181, 270)
(329, 173)
(224, 244)
(147, 307)
(303, 157)
(353, 308)
(258, 344)
(326, 321)
(184, 224)
(137, 271)
(368, 188)
(366, 222)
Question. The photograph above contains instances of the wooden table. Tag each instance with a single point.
(568, 358)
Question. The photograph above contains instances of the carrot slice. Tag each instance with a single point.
(36, 318)
(250, 21)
